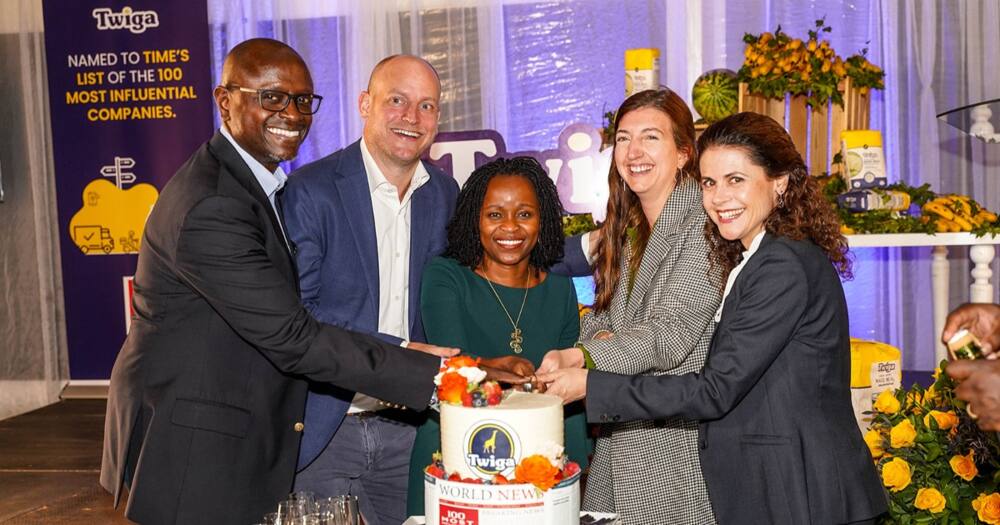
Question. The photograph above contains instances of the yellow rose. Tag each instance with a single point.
(873, 438)
(945, 420)
(902, 435)
(930, 395)
(896, 474)
(988, 508)
(937, 369)
(929, 499)
(964, 466)
(886, 403)
(914, 399)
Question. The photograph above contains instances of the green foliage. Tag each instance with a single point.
(577, 224)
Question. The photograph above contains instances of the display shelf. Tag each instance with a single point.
(981, 251)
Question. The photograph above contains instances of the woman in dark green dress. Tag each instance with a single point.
(491, 295)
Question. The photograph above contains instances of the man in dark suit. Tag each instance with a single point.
(366, 220)
(207, 395)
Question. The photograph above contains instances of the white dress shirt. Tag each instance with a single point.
(392, 238)
(754, 244)
(270, 182)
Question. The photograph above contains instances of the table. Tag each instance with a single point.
(981, 251)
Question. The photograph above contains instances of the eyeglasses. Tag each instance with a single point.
(273, 100)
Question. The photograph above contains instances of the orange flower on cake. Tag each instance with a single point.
(538, 471)
(945, 420)
(964, 466)
(896, 474)
(929, 499)
(460, 361)
(886, 403)
(987, 507)
(902, 435)
(452, 387)
(873, 438)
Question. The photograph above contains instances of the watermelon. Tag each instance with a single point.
(714, 94)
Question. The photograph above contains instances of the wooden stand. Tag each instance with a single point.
(815, 131)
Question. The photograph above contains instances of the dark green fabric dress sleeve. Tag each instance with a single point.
(441, 304)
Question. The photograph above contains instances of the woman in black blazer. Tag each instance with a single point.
(778, 439)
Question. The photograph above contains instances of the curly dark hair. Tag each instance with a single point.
(624, 209)
(463, 231)
(805, 214)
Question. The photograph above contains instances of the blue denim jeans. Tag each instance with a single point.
(368, 457)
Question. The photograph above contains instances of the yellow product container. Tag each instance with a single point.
(874, 367)
(642, 70)
(864, 161)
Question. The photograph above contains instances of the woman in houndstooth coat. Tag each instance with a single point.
(654, 304)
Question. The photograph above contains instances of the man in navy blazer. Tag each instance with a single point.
(365, 220)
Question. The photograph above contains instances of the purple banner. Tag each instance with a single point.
(130, 90)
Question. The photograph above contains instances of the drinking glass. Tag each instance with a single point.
(346, 510)
(303, 495)
(295, 508)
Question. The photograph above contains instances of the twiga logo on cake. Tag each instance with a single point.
(491, 448)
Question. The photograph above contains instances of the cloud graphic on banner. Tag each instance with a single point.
(112, 219)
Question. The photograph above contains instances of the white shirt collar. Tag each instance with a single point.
(269, 182)
(376, 178)
(754, 245)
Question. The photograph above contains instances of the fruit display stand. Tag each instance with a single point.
(981, 251)
(814, 130)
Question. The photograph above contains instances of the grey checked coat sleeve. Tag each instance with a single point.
(673, 298)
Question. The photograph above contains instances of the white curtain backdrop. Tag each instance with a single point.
(529, 69)
(33, 364)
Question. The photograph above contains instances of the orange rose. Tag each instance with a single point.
(988, 508)
(538, 471)
(929, 499)
(452, 387)
(945, 420)
(964, 466)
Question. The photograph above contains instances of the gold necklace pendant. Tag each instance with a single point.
(516, 340)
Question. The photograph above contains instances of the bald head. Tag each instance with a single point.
(379, 70)
(400, 109)
(249, 56)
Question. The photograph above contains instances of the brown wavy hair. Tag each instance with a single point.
(805, 214)
(624, 209)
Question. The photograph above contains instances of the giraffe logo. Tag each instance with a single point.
(492, 448)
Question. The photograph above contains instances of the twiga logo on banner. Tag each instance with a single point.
(135, 21)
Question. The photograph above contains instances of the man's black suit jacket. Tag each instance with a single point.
(210, 385)
(778, 441)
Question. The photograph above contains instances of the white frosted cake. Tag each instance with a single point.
(481, 449)
(483, 442)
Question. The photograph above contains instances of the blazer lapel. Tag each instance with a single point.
(352, 184)
(662, 240)
(226, 153)
(422, 204)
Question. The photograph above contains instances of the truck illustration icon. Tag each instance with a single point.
(93, 238)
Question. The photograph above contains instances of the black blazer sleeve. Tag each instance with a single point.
(221, 255)
(759, 319)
